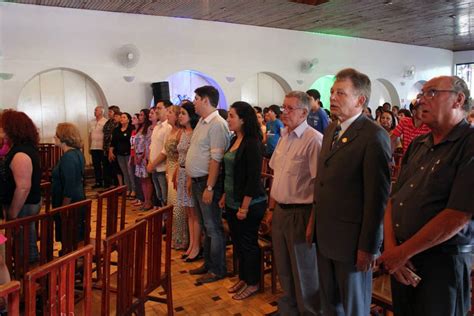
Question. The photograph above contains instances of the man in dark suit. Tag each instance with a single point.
(351, 191)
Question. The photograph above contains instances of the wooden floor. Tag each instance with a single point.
(189, 297)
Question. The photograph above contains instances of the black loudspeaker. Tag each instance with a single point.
(161, 91)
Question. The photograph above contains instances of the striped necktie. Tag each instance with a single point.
(335, 138)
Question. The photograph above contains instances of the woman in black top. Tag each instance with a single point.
(120, 150)
(23, 172)
(244, 196)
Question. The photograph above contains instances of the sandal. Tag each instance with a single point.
(236, 287)
(246, 292)
(137, 203)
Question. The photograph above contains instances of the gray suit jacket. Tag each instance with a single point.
(351, 190)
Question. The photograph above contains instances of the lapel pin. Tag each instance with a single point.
(344, 140)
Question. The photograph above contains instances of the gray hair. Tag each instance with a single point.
(459, 85)
(303, 99)
(360, 81)
(101, 108)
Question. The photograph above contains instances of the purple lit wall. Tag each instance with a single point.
(183, 84)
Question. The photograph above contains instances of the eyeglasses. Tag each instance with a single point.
(289, 110)
(431, 93)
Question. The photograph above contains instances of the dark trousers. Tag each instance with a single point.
(344, 290)
(111, 170)
(444, 288)
(245, 239)
(98, 163)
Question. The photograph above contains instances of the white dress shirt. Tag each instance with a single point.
(294, 164)
(158, 136)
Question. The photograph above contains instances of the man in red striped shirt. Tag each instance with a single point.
(410, 127)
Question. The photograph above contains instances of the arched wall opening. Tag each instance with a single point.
(323, 85)
(61, 95)
(264, 89)
(383, 91)
(414, 90)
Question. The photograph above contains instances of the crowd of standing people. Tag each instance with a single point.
(331, 206)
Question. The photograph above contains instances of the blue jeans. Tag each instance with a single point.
(29, 210)
(210, 218)
(126, 171)
(161, 186)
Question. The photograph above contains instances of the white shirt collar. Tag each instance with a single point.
(345, 125)
(211, 116)
(298, 131)
(162, 123)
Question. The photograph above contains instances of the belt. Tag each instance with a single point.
(447, 249)
(199, 179)
(288, 206)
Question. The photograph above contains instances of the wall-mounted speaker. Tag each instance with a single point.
(161, 91)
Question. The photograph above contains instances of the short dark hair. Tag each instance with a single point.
(114, 108)
(166, 103)
(314, 93)
(250, 127)
(360, 81)
(275, 109)
(223, 113)
(210, 92)
(405, 112)
(193, 116)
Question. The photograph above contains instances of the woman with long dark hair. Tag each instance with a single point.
(188, 120)
(142, 145)
(132, 162)
(244, 196)
(120, 150)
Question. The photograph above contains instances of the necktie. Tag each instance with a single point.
(335, 138)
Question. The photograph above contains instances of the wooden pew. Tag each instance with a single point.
(60, 277)
(130, 289)
(158, 256)
(49, 157)
(17, 251)
(10, 292)
(70, 216)
(108, 203)
(46, 195)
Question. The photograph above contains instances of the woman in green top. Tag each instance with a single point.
(244, 196)
(67, 176)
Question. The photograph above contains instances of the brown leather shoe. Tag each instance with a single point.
(201, 270)
(209, 278)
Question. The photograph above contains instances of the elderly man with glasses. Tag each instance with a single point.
(428, 220)
(294, 164)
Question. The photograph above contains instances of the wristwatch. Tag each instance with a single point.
(209, 188)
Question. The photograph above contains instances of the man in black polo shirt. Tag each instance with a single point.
(428, 220)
